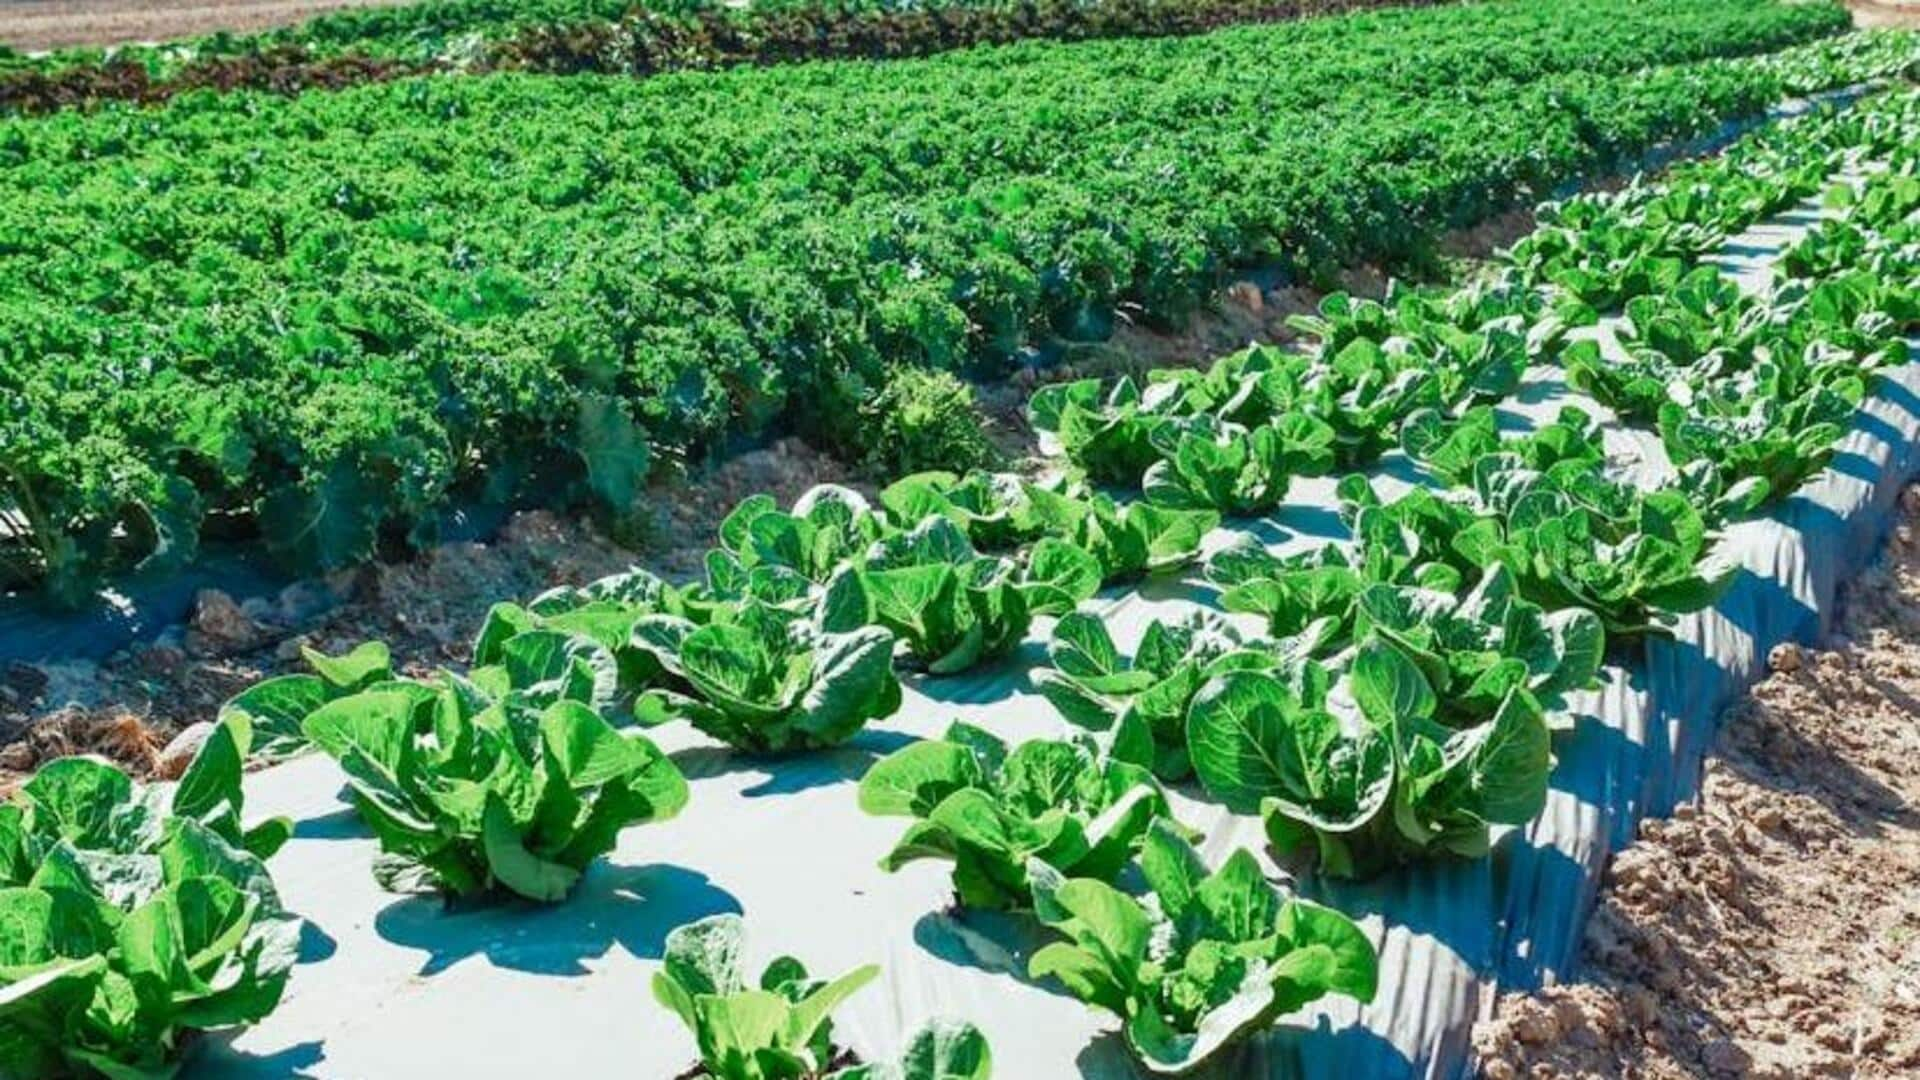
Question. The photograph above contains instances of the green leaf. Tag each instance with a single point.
(517, 868)
(367, 663)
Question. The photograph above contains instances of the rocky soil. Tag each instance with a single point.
(1772, 930)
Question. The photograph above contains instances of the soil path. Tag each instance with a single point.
(1773, 930)
(1884, 13)
(33, 25)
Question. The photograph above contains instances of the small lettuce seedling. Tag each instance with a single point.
(508, 777)
(1206, 960)
(1360, 794)
(135, 915)
(781, 1029)
(988, 810)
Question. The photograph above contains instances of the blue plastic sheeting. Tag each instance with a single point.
(395, 986)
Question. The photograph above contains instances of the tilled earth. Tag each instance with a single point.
(31, 25)
(1773, 930)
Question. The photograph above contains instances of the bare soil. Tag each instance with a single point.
(1773, 929)
(1874, 14)
(35, 25)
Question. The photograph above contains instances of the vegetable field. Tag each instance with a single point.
(1281, 711)
(325, 321)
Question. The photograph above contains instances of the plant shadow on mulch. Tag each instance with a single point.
(633, 907)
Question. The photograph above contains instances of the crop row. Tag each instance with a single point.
(321, 321)
(1399, 706)
(573, 36)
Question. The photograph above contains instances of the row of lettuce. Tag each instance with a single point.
(324, 323)
(627, 37)
(1400, 705)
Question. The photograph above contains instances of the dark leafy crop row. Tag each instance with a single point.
(320, 319)
(594, 35)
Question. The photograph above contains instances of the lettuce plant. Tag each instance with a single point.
(508, 777)
(1210, 465)
(766, 684)
(988, 810)
(779, 1029)
(1450, 448)
(135, 915)
(1141, 703)
(1247, 388)
(1476, 648)
(1573, 538)
(1128, 542)
(995, 510)
(1358, 794)
(1364, 391)
(1634, 386)
(827, 526)
(272, 708)
(1109, 436)
(1477, 340)
(1308, 598)
(940, 1050)
(953, 607)
(1769, 427)
(1207, 960)
(601, 613)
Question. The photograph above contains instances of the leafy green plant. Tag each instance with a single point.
(768, 684)
(1128, 542)
(995, 510)
(1358, 794)
(781, 1029)
(941, 1050)
(1210, 959)
(827, 526)
(1451, 448)
(135, 915)
(1141, 703)
(506, 778)
(1209, 465)
(919, 420)
(1111, 436)
(1364, 392)
(273, 708)
(1308, 598)
(1777, 427)
(988, 810)
(1475, 649)
(1574, 539)
(953, 607)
